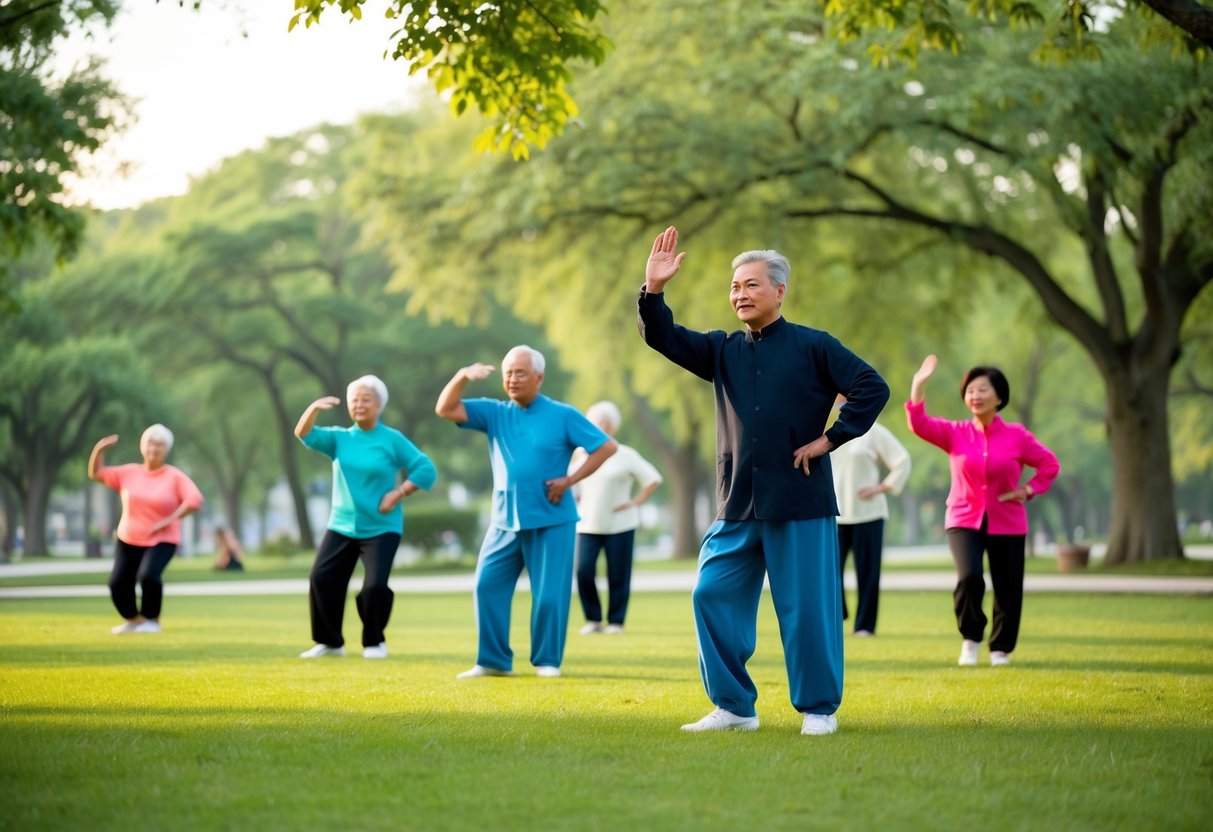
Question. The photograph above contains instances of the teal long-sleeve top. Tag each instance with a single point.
(365, 464)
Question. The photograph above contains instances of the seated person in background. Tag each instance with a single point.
(228, 552)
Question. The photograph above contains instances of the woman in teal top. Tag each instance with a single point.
(366, 519)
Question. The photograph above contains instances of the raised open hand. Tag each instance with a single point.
(106, 442)
(326, 402)
(664, 261)
(477, 372)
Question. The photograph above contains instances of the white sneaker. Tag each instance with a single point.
(999, 659)
(591, 627)
(818, 725)
(613, 629)
(547, 670)
(968, 653)
(375, 651)
(148, 626)
(862, 634)
(722, 720)
(124, 628)
(322, 650)
(480, 670)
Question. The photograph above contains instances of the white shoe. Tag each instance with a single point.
(818, 725)
(480, 670)
(148, 626)
(591, 628)
(375, 651)
(968, 653)
(547, 670)
(613, 629)
(124, 628)
(322, 650)
(999, 659)
(862, 634)
(722, 720)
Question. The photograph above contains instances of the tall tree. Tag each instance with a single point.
(47, 125)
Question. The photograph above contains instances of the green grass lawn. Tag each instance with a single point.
(1104, 722)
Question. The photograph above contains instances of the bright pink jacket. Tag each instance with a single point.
(984, 465)
(149, 496)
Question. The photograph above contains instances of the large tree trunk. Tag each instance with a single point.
(34, 508)
(11, 521)
(1144, 521)
(290, 469)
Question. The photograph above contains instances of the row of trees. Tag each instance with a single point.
(983, 206)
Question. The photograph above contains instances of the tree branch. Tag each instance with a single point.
(1194, 18)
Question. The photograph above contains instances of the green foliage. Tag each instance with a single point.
(510, 60)
(47, 125)
(1103, 723)
(428, 524)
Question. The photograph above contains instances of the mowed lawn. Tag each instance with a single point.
(1105, 721)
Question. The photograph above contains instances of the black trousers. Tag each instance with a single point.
(1006, 553)
(329, 582)
(143, 565)
(867, 540)
(619, 548)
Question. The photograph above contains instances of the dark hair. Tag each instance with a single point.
(997, 380)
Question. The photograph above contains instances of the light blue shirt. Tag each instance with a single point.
(365, 463)
(528, 446)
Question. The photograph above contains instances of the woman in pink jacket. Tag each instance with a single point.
(987, 510)
(155, 496)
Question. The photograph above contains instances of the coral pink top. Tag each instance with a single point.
(985, 464)
(148, 497)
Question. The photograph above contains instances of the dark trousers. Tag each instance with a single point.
(1006, 553)
(143, 565)
(619, 551)
(867, 539)
(329, 582)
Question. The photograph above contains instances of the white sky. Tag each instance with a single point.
(210, 84)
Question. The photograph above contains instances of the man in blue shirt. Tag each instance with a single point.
(775, 385)
(531, 440)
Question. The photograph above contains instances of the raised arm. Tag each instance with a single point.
(918, 387)
(664, 261)
(96, 460)
(308, 420)
(450, 400)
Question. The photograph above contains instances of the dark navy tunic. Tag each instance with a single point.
(775, 389)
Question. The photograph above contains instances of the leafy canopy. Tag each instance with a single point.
(509, 59)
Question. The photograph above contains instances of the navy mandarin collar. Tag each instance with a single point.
(768, 331)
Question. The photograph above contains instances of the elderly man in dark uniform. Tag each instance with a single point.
(775, 385)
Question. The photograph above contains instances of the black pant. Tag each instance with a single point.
(143, 565)
(619, 549)
(1006, 574)
(867, 539)
(329, 582)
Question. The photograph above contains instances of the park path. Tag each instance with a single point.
(642, 581)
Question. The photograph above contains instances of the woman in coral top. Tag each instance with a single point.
(155, 496)
(987, 510)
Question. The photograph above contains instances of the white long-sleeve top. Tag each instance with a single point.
(611, 486)
(857, 465)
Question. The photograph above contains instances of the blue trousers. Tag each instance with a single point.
(547, 555)
(801, 558)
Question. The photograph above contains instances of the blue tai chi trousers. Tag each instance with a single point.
(547, 555)
(801, 558)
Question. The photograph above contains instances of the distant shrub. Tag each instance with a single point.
(435, 527)
(282, 545)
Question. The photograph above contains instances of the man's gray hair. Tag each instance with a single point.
(604, 411)
(537, 361)
(158, 432)
(778, 267)
(372, 383)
